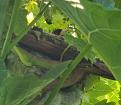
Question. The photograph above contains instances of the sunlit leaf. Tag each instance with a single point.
(104, 102)
(97, 89)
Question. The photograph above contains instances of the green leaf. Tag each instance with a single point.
(23, 32)
(48, 15)
(98, 88)
(71, 96)
(20, 90)
(77, 12)
(104, 102)
(3, 12)
(11, 26)
(21, 21)
(3, 71)
(109, 50)
(110, 4)
(102, 26)
(25, 59)
(73, 41)
(118, 3)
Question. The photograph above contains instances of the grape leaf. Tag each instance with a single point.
(94, 88)
(104, 102)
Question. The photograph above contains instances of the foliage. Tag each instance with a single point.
(72, 96)
(27, 86)
(58, 20)
(99, 21)
(21, 85)
(109, 4)
(98, 89)
(102, 30)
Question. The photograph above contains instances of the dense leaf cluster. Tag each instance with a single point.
(93, 26)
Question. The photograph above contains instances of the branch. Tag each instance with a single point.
(52, 46)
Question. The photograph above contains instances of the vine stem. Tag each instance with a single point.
(67, 72)
(21, 35)
(66, 49)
